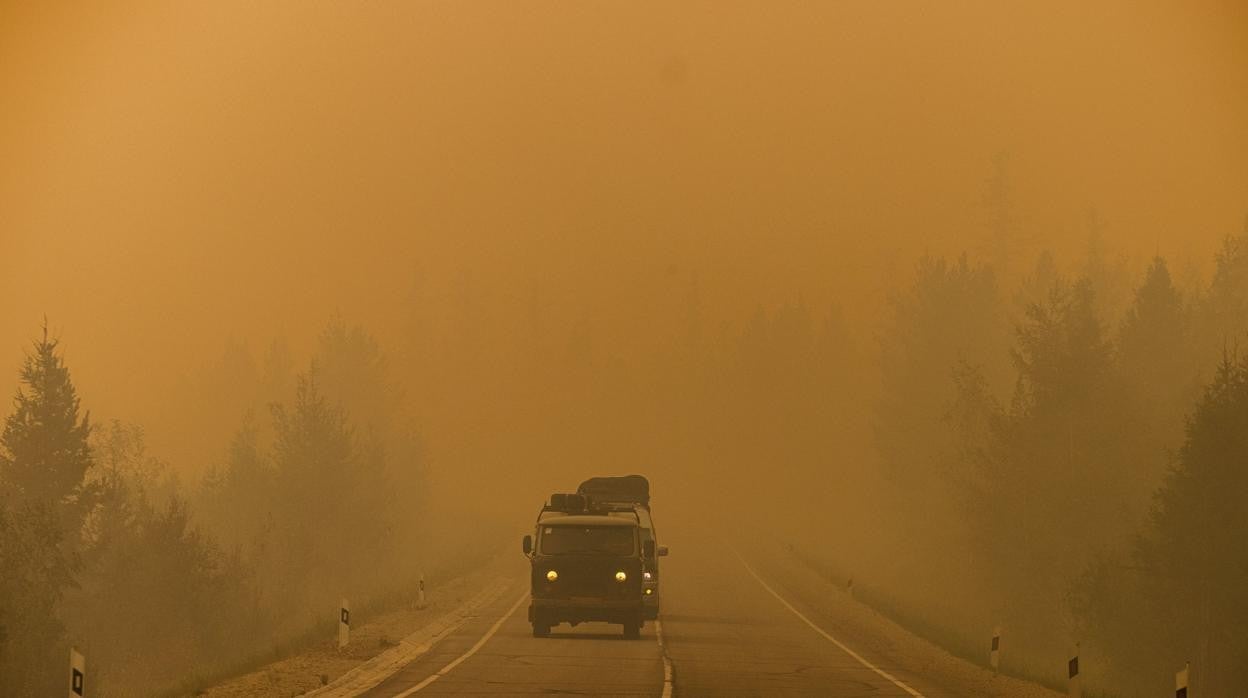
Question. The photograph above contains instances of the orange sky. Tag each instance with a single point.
(171, 175)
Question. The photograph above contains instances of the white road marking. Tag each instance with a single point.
(896, 682)
(473, 650)
(372, 673)
(667, 662)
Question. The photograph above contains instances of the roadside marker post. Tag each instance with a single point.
(1072, 672)
(77, 673)
(420, 592)
(850, 587)
(994, 654)
(1180, 681)
(344, 624)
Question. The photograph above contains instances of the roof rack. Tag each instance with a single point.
(567, 503)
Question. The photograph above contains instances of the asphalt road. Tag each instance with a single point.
(726, 629)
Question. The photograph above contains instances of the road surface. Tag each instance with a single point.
(727, 629)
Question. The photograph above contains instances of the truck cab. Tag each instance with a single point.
(585, 565)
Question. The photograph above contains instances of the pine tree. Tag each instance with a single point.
(1180, 593)
(1051, 487)
(1195, 549)
(946, 337)
(951, 315)
(44, 449)
(1158, 360)
(1155, 326)
(44, 499)
(334, 501)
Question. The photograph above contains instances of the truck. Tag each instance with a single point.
(632, 493)
(586, 564)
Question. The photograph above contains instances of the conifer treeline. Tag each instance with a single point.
(1060, 456)
(1071, 472)
(160, 584)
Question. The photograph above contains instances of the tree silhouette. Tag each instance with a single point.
(44, 449)
(1051, 488)
(1195, 546)
(44, 459)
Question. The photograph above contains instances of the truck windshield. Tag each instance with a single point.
(597, 540)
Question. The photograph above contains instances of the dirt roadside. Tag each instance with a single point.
(323, 663)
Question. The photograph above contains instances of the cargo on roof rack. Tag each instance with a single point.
(630, 489)
(567, 503)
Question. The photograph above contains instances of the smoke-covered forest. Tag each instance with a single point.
(166, 582)
(302, 301)
(1061, 457)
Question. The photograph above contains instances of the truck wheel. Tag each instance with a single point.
(541, 624)
(632, 628)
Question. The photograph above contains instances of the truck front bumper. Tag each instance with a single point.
(585, 610)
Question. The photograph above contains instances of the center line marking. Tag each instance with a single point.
(896, 682)
(473, 650)
(667, 662)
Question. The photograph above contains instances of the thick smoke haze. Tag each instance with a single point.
(697, 241)
(172, 177)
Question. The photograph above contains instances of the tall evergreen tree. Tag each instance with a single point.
(1155, 325)
(1195, 548)
(1181, 592)
(1051, 490)
(1157, 357)
(44, 449)
(334, 501)
(947, 335)
(950, 316)
(44, 459)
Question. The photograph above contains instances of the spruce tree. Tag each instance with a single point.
(1051, 489)
(44, 449)
(44, 459)
(1159, 362)
(1194, 551)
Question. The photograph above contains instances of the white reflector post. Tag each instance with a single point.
(344, 624)
(1180, 681)
(77, 673)
(1072, 673)
(994, 654)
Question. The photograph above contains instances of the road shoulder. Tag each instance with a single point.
(379, 645)
(880, 638)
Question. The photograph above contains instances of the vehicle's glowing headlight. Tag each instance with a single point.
(647, 576)
(552, 576)
(649, 592)
(620, 576)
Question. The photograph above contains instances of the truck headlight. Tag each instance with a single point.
(620, 576)
(552, 576)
